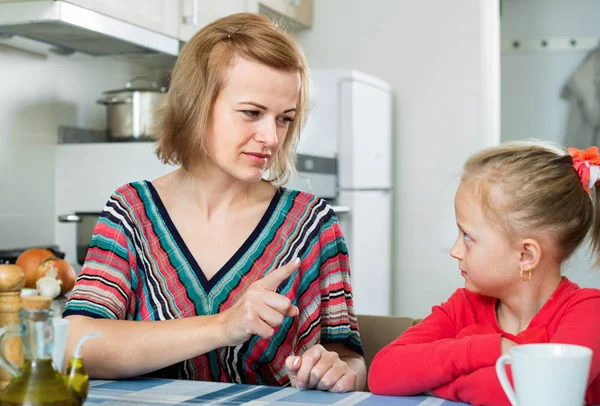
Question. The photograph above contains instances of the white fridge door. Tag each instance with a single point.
(365, 136)
(367, 228)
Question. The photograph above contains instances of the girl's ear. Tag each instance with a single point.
(531, 254)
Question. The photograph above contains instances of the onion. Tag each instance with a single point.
(29, 261)
(64, 272)
(48, 286)
(12, 278)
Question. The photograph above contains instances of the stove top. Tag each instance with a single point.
(9, 256)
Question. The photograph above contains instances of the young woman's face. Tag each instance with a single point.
(250, 118)
(486, 257)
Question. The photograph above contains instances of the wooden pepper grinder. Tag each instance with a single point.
(12, 280)
(37, 302)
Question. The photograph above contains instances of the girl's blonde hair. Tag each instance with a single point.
(199, 74)
(529, 187)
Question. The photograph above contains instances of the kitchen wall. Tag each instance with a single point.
(441, 58)
(532, 82)
(38, 94)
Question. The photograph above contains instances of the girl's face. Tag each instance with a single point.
(487, 259)
(250, 118)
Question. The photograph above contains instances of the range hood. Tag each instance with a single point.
(70, 28)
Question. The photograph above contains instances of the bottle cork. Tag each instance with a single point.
(12, 280)
(36, 302)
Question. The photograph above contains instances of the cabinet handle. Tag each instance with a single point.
(193, 19)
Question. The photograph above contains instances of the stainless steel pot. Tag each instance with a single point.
(131, 113)
(86, 222)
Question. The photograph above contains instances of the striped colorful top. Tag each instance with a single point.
(139, 268)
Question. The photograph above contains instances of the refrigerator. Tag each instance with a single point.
(351, 121)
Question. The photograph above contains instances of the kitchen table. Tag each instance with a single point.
(175, 392)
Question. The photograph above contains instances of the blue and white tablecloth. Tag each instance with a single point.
(173, 392)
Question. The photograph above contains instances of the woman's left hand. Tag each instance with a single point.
(320, 369)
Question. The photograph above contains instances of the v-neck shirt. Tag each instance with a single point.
(139, 268)
(208, 284)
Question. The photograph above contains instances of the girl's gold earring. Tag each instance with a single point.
(527, 277)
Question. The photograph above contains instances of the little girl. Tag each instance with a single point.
(521, 210)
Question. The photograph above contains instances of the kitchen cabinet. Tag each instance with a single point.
(195, 14)
(93, 27)
(161, 16)
(157, 15)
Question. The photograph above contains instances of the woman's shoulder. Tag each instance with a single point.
(132, 187)
(131, 198)
(315, 203)
(297, 194)
(305, 208)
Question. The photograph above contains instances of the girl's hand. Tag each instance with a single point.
(506, 345)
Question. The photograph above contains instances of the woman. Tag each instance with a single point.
(211, 272)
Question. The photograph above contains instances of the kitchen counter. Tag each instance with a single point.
(58, 305)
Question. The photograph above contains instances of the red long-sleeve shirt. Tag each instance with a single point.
(453, 352)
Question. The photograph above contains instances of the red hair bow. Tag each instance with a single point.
(582, 160)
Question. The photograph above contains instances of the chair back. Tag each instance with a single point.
(378, 331)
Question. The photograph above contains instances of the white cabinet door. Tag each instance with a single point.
(156, 15)
(195, 14)
(85, 164)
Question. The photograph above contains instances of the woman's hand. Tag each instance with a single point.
(320, 369)
(260, 310)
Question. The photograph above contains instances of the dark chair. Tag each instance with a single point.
(378, 331)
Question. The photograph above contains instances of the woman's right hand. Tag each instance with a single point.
(259, 310)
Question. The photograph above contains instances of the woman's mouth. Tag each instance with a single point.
(257, 157)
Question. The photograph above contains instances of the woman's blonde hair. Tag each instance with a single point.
(530, 186)
(199, 74)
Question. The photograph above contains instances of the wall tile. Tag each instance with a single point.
(39, 94)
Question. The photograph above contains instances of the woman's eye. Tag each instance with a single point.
(466, 236)
(285, 120)
(251, 113)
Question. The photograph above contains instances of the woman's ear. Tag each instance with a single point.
(531, 254)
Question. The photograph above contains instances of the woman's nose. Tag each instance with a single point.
(267, 134)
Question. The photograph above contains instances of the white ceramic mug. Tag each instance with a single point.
(61, 327)
(546, 374)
